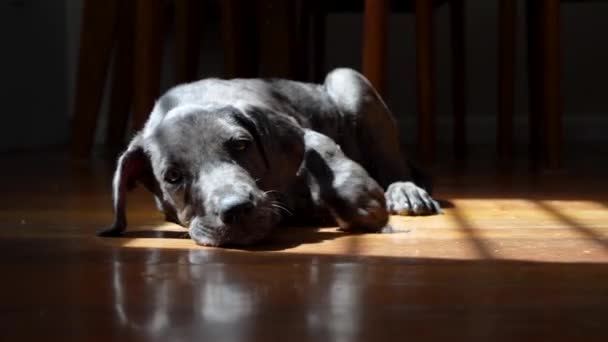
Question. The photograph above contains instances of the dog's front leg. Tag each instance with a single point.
(342, 186)
(378, 143)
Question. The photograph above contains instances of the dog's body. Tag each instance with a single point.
(228, 158)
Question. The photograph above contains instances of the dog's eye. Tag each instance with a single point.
(238, 145)
(173, 176)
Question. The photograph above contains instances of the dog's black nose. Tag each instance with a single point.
(234, 208)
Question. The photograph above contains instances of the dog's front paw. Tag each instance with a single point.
(406, 198)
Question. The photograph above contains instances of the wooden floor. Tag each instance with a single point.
(515, 257)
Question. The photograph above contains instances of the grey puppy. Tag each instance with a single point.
(231, 159)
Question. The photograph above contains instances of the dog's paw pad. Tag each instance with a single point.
(406, 198)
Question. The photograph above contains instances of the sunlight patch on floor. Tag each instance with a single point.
(480, 229)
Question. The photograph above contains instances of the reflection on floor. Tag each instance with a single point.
(514, 257)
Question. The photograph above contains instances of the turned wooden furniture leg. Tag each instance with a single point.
(318, 36)
(229, 37)
(96, 41)
(424, 78)
(239, 38)
(148, 58)
(506, 78)
(534, 76)
(459, 77)
(122, 78)
(187, 39)
(276, 38)
(375, 33)
(551, 93)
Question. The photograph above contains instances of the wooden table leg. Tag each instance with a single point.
(457, 15)
(425, 79)
(148, 58)
(96, 42)
(375, 32)
(551, 94)
(506, 78)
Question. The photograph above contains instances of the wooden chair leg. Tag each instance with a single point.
(96, 41)
(534, 76)
(425, 79)
(122, 78)
(375, 32)
(148, 54)
(459, 77)
(301, 36)
(276, 38)
(318, 36)
(506, 77)
(239, 38)
(551, 93)
(187, 39)
(230, 36)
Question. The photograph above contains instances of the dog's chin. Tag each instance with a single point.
(241, 235)
(205, 239)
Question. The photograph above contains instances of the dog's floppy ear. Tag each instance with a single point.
(282, 140)
(133, 166)
(251, 127)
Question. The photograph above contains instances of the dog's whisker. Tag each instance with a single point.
(269, 211)
(280, 207)
(272, 193)
(280, 210)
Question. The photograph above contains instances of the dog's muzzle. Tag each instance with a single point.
(237, 219)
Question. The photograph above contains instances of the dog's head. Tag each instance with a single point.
(215, 171)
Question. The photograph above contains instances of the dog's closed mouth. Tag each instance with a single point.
(204, 240)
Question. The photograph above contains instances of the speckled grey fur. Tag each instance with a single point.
(231, 159)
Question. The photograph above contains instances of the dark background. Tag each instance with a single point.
(40, 49)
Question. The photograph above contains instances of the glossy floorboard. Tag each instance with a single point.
(513, 258)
